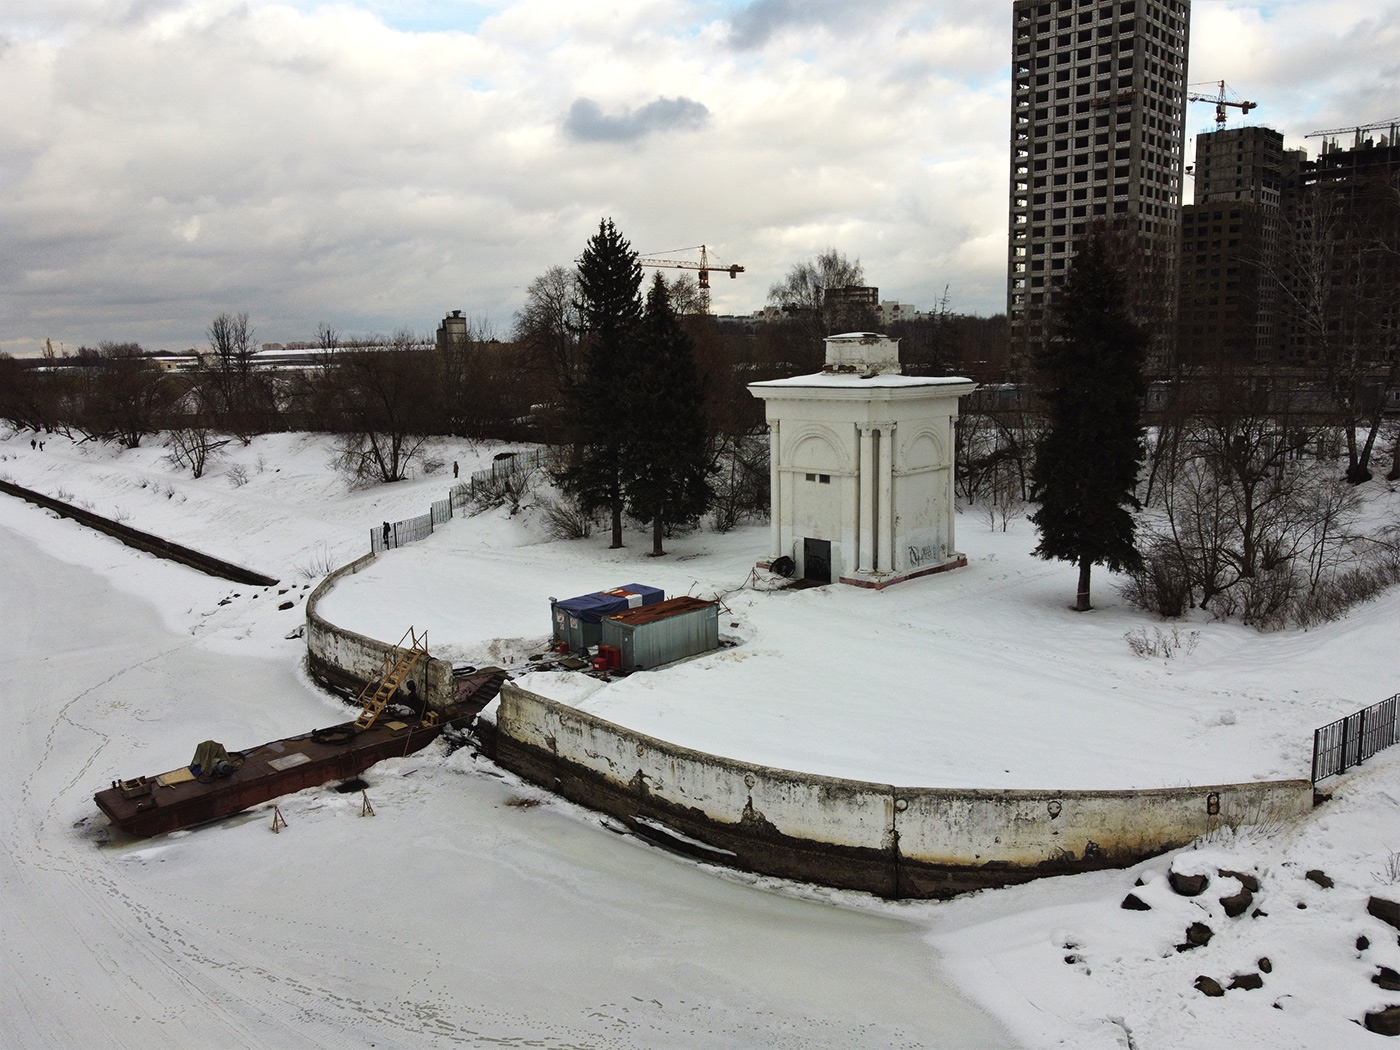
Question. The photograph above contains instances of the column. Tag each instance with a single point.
(885, 556)
(775, 491)
(865, 488)
(947, 493)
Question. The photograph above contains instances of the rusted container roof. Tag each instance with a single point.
(661, 610)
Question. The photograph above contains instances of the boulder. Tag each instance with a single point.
(1384, 1022)
(1132, 902)
(1321, 878)
(1266, 965)
(1188, 885)
(1386, 978)
(1198, 935)
(1247, 880)
(1362, 943)
(1238, 904)
(1209, 986)
(1247, 981)
(1387, 911)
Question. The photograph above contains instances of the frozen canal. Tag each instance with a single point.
(471, 911)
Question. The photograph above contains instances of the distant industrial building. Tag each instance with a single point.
(453, 333)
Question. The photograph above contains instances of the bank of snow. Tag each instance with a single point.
(981, 677)
(1011, 688)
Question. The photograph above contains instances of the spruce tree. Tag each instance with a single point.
(666, 459)
(609, 280)
(1087, 462)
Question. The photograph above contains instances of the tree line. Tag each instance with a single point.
(1232, 501)
(1212, 486)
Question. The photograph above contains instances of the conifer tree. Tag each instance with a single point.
(609, 280)
(1087, 462)
(666, 461)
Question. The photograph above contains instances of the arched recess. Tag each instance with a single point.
(814, 447)
(926, 449)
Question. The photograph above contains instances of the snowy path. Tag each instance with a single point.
(457, 917)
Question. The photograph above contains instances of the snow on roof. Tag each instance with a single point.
(852, 381)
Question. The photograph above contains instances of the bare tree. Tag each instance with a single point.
(193, 446)
(127, 398)
(810, 294)
(387, 406)
(27, 395)
(1338, 277)
(547, 327)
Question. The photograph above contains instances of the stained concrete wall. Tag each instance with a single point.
(345, 659)
(884, 839)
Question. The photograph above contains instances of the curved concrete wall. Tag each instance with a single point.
(885, 839)
(345, 659)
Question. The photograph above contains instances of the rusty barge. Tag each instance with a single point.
(219, 783)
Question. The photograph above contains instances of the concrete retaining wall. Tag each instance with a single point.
(145, 541)
(880, 838)
(347, 660)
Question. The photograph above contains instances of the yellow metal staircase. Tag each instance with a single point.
(398, 665)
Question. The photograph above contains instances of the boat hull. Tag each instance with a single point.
(180, 799)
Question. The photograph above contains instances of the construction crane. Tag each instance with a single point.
(1222, 99)
(1391, 126)
(704, 266)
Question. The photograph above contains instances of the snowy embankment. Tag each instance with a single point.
(981, 677)
(978, 678)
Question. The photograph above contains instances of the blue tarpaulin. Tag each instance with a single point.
(591, 608)
(578, 621)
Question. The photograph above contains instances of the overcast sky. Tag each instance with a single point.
(376, 163)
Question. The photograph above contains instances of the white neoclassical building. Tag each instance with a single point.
(862, 466)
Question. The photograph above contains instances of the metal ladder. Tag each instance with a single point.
(398, 665)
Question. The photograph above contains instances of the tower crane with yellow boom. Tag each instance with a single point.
(1222, 99)
(704, 266)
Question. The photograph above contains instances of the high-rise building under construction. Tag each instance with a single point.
(1098, 127)
(1228, 299)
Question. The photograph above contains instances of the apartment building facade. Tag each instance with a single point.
(1098, 126)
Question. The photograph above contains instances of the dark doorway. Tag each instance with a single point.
(816, 560)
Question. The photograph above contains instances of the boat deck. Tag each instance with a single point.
(180, 798)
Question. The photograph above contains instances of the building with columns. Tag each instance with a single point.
(862, 466)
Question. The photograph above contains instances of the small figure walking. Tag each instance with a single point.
(454, 468)
(34, 444)
(386, 535)
(41, 446)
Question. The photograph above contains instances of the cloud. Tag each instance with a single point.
(587, 122)
(165, 160)
(754, 25)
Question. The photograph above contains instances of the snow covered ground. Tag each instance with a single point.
(977, 678)
(476, 911)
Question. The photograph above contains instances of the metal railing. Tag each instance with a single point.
(397, 533)
(500, 472)
(516, 463)
(394, 534)
(1351, 740)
